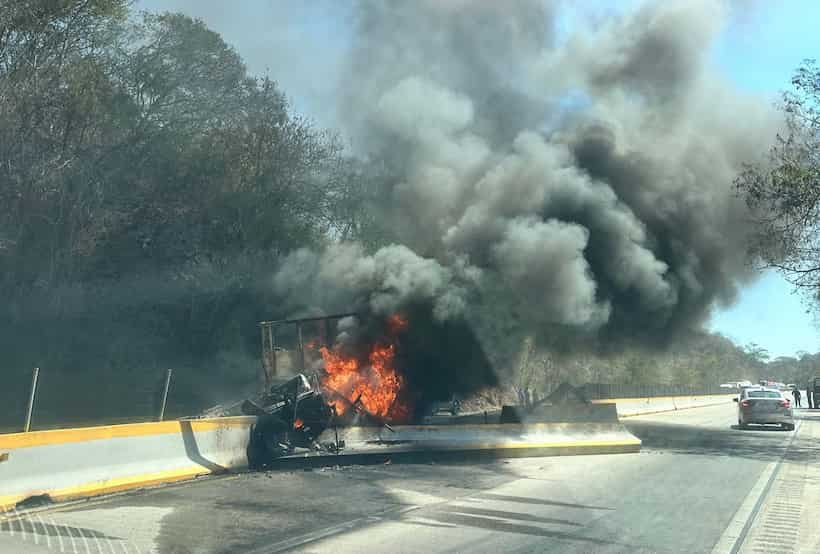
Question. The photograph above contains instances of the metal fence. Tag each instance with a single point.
(40, 399)
(600, 391)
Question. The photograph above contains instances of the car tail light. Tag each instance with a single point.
(745, 403)
(785, 403)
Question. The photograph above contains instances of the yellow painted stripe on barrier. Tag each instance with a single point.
(109, 486)
(667, 410)
(82, 434)
(572, 443)
(645, 398)
(484, 426)
(530, 444)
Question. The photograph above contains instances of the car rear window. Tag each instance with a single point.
(763, 394)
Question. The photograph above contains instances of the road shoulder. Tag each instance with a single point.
(787, 518)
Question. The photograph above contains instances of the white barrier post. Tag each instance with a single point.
(165, 394)
(30, 408)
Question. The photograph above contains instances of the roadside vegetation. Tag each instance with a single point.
(149, 185)
(784, 190)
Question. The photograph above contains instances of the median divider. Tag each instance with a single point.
(500, 440)
(544, 430)
(627, 407)
(67, 464)
(75, 463)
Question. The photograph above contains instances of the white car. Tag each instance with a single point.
(763, 406)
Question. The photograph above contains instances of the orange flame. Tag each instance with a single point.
(375, 386)
(298, 423)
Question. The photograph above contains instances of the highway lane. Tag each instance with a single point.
(680, 494)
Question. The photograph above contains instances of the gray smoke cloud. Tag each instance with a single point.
(344, 276)
(582, 186)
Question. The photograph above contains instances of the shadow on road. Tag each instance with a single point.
(539, 501)
(519, 522)
(764, 428)
(479, 515)
(757, 443)
(458, 518)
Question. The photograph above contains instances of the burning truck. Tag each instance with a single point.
(375, 384)
(353, 382)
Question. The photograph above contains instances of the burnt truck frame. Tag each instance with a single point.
(292, 415)
(268, 330)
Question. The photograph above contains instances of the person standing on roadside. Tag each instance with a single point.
(796, 394)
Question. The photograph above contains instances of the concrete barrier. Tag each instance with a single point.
(75, 463)
(560, 413)
(627, 407)
(621, 407)
(366, 444)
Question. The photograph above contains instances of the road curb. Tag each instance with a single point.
(735, 535)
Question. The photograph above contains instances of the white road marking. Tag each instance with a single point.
(71, 536)
(733, 537)
(59, 536)
(45, 530)
(295, 542)
(732, 533)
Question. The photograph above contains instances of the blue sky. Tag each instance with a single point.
(758, 50)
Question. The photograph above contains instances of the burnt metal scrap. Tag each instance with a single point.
(292, 415)
(451, 406)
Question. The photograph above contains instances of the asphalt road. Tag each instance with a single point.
(690, 489)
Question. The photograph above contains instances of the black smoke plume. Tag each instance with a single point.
(578, 188)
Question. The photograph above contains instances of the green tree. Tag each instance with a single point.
(55, 107)
(148, 185)
(756, 353)
(784, 192)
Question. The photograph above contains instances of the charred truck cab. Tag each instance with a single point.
(293, 414)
